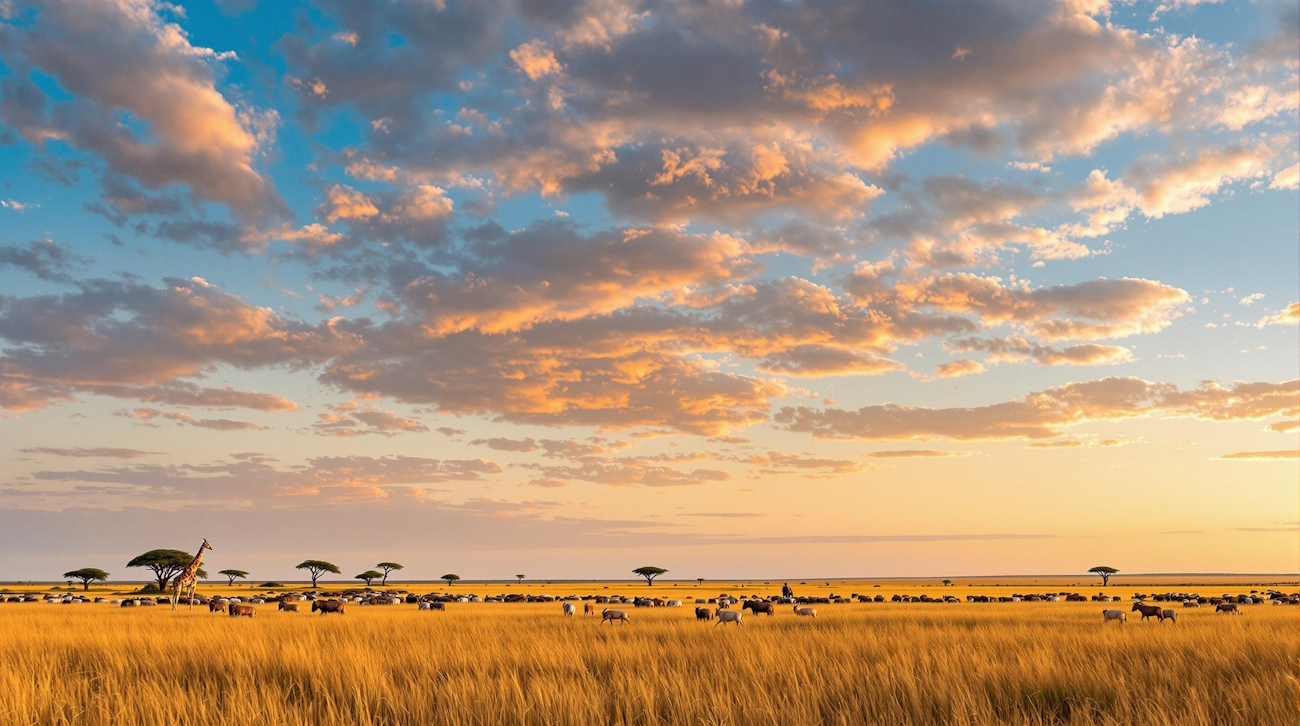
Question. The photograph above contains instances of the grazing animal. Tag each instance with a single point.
(1148, 611)
(569, 609)
(703, 614)
(730, 616)
(805, 612)
(1191, 604)
(217, 605)
(1169, 615)
(588, 609)
(1227, 607)
(189, 577)
(758, 606)
(289, 607)
(327, 606)
(238, 610)
(1109, 615)
(431, 605)
(612, 615)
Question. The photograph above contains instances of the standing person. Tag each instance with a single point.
(786, 591)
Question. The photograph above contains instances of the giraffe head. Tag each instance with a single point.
(205, 546)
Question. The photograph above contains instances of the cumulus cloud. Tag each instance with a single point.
(126, 58)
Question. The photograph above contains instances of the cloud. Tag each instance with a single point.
(815, 467)
(44, 259)
(1261, 455)
(916, 454)
(110, 59)
(350, 419)
(127, 339)
(1101, 308)
(1048, 414)
(1290, 315)
(95, 452)
(958, 368)
(184, 419)
(1016, 349)
(256, 480)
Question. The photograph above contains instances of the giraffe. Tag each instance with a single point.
(189, 577)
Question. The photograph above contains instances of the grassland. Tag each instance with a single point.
(1023, 663)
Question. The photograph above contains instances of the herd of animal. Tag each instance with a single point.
(718, 609)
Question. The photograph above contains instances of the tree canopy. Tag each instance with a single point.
(87, 575)
(317, 568)
(649, 573)
(450, 578)
(165, 564)
(1105, 573)
(388, 567)
(369, 576)
(233, 574)
(521, 577)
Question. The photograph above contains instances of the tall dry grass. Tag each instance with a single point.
(1023, 663)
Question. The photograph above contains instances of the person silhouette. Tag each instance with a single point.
(786, 591)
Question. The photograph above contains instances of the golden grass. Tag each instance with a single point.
(1022, 663)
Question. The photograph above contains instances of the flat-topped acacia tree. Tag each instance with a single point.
(649, 573)
(87, 575)
(317, 568)
(1105, 573)
(369, 576)
(387, 568)
(233, 575)
(450, 578)
(165, 564)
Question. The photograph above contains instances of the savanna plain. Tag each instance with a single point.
(525, 663)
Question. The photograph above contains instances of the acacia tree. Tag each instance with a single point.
(317, 568)
(231, 575)
(450, 578)
(387, 567)
(947, 583)
(165, 564)
(369, 576)
(521, 579)
(649, 573)
(1105, 573)
(87, 575)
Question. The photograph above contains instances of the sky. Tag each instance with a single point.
(739, 288)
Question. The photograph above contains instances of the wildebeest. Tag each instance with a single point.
(805, 612)
(1118, 615)
(239, 610)
(289, 607)
(569, 609)
(1169, 615)
(217, 605)
(703, 614)
(729, 616)
(758, 606)
(327, 606)
(612, 615)
(1227, 607)
(1148, 611)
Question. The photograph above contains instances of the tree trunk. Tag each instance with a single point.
(85, 585)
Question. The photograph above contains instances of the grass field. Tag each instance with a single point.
(1025, 663)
